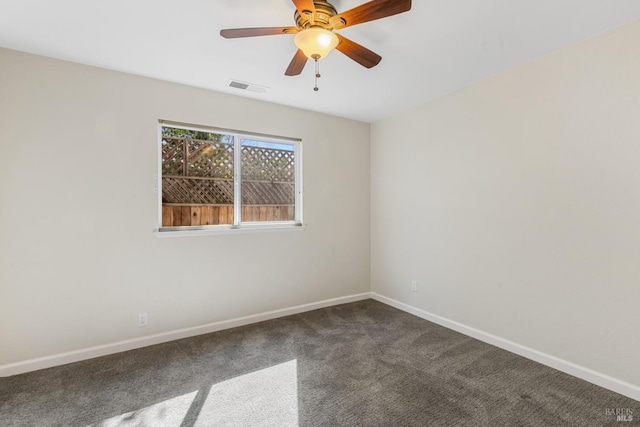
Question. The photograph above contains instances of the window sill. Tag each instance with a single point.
(217, 230)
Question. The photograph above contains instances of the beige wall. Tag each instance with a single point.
(78, 257)
(515, 203)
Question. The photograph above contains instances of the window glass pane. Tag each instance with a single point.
(197, 178)
(268, 181)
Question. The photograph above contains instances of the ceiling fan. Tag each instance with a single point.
(315, 38)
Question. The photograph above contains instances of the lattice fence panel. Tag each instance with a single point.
(215, 160)
(210, 159)
(201, 172)
(197, 191)
(220, 191)
(267, 193)
(203, 158)
(267, 164)
(172, 156)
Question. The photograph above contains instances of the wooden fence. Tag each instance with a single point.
(181, 215)
(197, 183)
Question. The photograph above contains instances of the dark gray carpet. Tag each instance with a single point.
(360, 364)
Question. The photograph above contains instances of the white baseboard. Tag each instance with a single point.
(131, 344)
(597, 378)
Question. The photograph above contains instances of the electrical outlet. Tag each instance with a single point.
(414, 286)
(142, 319)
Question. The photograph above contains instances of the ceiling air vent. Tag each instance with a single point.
(247, 86)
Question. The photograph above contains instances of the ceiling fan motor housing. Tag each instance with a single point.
(324, 12)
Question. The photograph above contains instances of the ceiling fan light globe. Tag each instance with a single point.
(316, 42)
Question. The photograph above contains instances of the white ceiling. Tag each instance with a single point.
(437, 47)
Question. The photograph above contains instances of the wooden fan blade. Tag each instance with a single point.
(303, 5)
(252, 32)
(297, 64)
(373, 10)
(358, 53)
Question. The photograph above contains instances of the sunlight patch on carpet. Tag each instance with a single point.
(169, 413)
(268, 397)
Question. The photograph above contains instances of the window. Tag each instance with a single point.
(214, 179)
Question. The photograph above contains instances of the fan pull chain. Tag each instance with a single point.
(315, 58)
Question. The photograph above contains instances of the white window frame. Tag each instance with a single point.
(238, 225)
